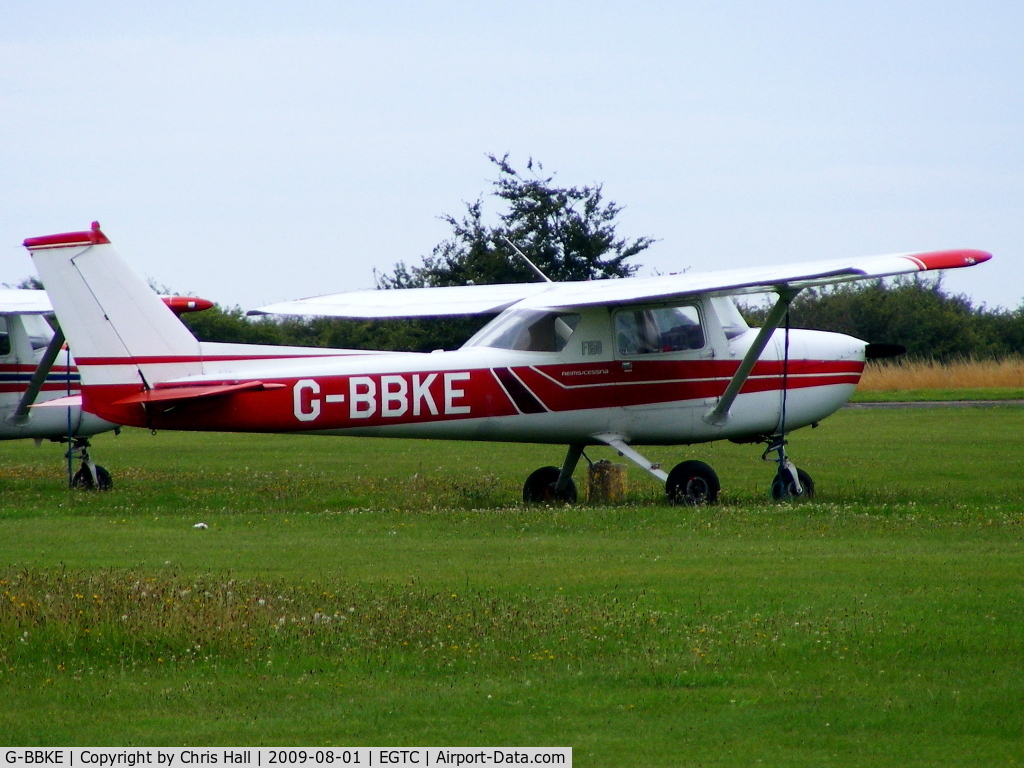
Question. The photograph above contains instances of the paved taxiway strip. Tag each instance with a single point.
(938, 404)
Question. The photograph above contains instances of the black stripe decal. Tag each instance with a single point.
(523, 398)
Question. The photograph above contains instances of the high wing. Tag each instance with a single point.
(490, 299)
(786, 278)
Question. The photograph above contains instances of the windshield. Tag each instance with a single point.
(532, 330)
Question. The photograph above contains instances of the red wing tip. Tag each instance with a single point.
(93, 236)
(180, 304)
(961, 257)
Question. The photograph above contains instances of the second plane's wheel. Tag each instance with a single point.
(691, 484)
(540, 488)
(783, 486)
(83, 479)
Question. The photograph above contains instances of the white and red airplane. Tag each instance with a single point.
(636, 361)
(37, 371)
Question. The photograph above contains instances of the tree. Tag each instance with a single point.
(229, 324)
(31, 283)
(568, 232)
(915, 312)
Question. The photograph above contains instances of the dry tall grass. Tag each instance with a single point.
(887, 376)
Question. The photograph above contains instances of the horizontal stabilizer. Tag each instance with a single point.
(71, 401)
(175, 394)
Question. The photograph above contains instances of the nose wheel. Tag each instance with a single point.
(90, 476)
(790, 482)
(785, 486)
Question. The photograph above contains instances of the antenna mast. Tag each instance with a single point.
(524, 257)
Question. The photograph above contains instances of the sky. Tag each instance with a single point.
(254, 152)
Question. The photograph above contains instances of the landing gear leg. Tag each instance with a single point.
(790, 482)
(691, 483)
(551, 484)
(90, 476)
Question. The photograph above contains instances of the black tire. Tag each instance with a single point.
(692, 484)
(783, 487)
(83, 479)
(539, 488)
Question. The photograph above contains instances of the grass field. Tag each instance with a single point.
(367, 592)
(899, 379)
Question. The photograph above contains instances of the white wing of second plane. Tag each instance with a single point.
(490, 299)
(24, 301)
(446, 301)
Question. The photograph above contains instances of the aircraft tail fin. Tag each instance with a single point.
(120, 331)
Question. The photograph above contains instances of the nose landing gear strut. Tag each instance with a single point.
(790, 482)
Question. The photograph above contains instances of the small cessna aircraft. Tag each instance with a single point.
(635, 361)
(37, 370)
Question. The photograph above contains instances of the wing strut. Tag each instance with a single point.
(20, 414)
(720, 413)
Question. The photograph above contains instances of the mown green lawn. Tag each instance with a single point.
(939, 395)
(368, 592)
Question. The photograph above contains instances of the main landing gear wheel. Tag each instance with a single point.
(84, 479)
(784, 488)
(691, 484)
(540, 488)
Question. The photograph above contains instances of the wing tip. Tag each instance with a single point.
(952, 259)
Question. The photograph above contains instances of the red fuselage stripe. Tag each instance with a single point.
(381, 399)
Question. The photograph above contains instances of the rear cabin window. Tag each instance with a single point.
(729, 316)
(5, 338)
(38, 330)
(658, 330)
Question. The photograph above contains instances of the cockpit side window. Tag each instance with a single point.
(5, 338)
(658, 330)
